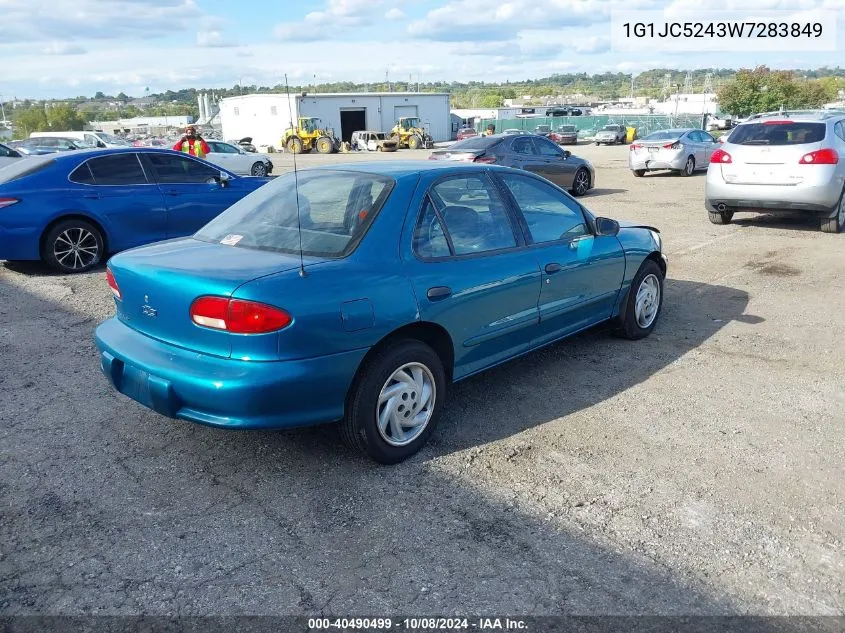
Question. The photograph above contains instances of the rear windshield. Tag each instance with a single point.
(22, 168)
(566, 128)
(334, 211)
(770, 133)
(663, 135)
(475, 142)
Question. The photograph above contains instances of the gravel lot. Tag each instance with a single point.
(697, 471)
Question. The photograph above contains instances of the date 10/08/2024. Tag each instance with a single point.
(417, 624)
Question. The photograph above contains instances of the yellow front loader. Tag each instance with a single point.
(308, 135)
(410, 133)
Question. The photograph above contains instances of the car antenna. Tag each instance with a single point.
(295, 185)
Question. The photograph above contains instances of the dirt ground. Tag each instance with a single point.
(697, 471)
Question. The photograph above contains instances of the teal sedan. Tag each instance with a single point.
(359, 293)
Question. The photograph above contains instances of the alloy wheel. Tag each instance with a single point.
(76, 248)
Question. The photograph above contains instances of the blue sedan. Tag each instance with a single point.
(357, 293)
(72, 208)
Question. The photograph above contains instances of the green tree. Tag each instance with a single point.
(62, 118)
(99, 95)
(28, 120)
(490, 101)
(764, 90)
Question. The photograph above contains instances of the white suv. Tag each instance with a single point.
(781, 162)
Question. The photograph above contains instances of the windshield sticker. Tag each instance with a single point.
(231, 240)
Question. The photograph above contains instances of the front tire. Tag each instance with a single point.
(294, 145)
(73, 246)
(581, 182)
(836, 224)
(395, 402)
(644, 303)
(259, 169)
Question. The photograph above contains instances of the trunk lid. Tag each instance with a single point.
(768, 153)
(158, 284)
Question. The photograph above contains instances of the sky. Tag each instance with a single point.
(65, 48)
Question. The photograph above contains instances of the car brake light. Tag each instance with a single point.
(781, 122)
(634, 146)
(825, 156)
(238, 316)
(8, 202)
(485, 159)
(675, 145)
(112, 282)
(720, 156)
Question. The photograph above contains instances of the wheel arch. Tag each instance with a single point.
(75, 215)
(427, 332)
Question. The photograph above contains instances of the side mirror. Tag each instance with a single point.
(606, 227)
(567, 153)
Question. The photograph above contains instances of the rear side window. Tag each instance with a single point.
(523, 145)
(82, 175)
(777, 133)
(117, 169)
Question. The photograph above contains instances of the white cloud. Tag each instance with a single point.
(212, 39)
(64, 48)
(394, 14)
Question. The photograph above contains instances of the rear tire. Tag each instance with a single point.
(368, 402)
(720, 217)
(73, 246)
(644, 302)
(638, 173)
(836, 224)
(689, 167)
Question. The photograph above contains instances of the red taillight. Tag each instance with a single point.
(675, 145)
(720, 156)
(238, 316)
(485, 159)
(634, 146)
(780, 122)
(8, 202)
(825, 156)
(113, 283)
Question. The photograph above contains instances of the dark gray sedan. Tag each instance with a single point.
(530, 152)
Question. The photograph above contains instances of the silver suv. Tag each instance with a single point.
(783, 161)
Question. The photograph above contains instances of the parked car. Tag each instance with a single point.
(683, 151)
(70, 209)
(24, 150)
(92, 138)
(529, 152)
(8, 155)
(611, 134)
(564, 135)
(237, 160)
(404, 278)
(372, 141)
(513, 130)
(466, 132)
(55, 144)
(245, 143)
(783, 162)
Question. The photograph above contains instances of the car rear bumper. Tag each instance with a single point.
(220, 392)
(814, 198)
(20, 243)
(645, 161)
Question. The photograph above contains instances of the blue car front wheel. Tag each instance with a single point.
(395, 402)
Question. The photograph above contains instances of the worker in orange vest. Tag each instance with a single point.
(192, 143)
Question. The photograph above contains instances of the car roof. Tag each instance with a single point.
(803, 115)
(400, 168)
(677, 130)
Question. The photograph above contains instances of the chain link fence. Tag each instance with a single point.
(589, 125)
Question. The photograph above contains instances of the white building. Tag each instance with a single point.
(703, 103)
(265, 117)
(140, 124)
